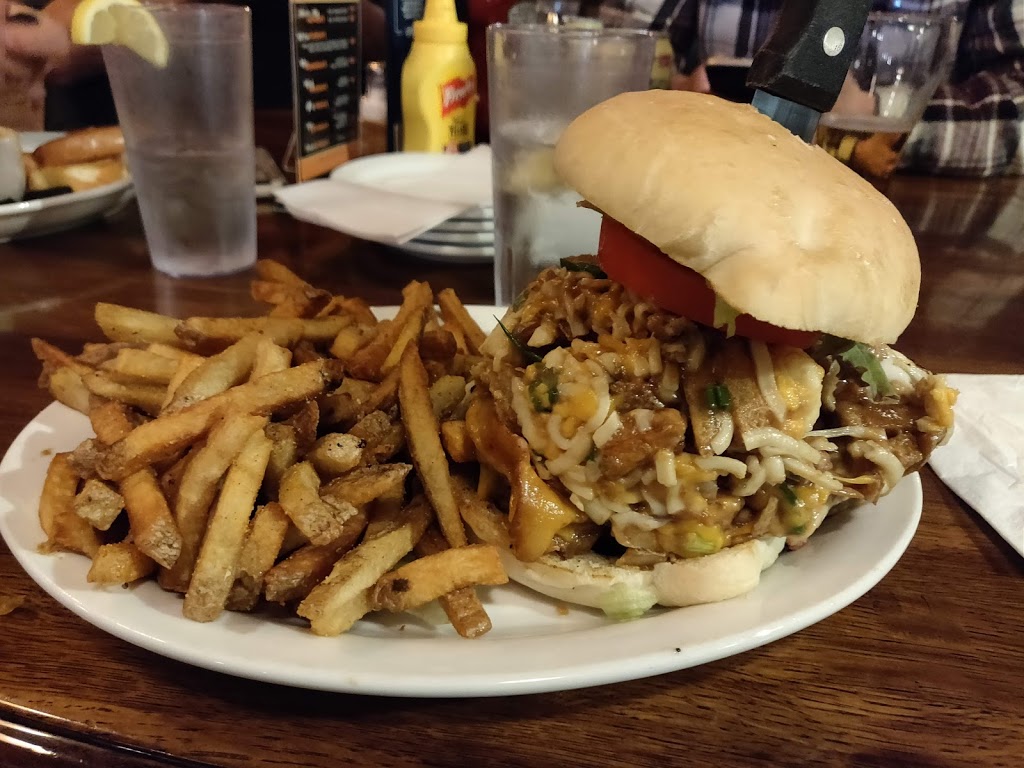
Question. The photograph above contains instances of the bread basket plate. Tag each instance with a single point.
(33, 218)
(536, 645)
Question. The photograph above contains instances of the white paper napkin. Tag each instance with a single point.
(983, 462)
(395, 207)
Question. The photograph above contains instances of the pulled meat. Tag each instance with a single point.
(632, 448)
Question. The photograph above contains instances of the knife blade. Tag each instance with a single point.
(800, 69)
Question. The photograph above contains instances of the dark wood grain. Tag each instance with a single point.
(925, 671)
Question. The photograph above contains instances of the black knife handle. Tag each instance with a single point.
(809, 50)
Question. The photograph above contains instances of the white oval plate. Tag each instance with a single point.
(536, 644)
(403, 173)
(443, 237)
(33, 218)
(450, 254)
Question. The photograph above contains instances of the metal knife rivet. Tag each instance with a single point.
(833, 42)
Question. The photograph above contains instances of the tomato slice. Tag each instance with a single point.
(639, 265)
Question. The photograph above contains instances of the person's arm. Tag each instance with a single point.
(974, 125)
(682, 32)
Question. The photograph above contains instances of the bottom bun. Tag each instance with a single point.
(587, 579)
(79, 177)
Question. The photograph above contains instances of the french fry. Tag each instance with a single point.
(368, 362)
(456, 441)
(161, 438)
(98, 504)
(64, 529)
(283, 454)
(299, 495)
(86, 458)
(170, 479)
(349, 340)
(67, 387)
(148, 397)
(462, 606)
(156, 440)
(365, 484)
(186, 366)
(422, 434)
(119, 565)
(120, 323)
(358, 309)
(344, 405)
(216, 374)
(218, 556)
(486, 522)
(335, 454)
(221, 332)
(153, 528)
(305, 422)
(54, 358)
(409, 334)
(10, 603)
(276, 272)
(95, 354)
(454, 313)
(431, 576)
(445, 394)
(382, 436)
(295, 577)
(343, 597)
(132, 365)
(111, 420)
(306, 352)
(262, 545)
(438, 345)
(199, 486)
(270, 358)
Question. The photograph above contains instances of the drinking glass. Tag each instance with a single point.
(541, 78)
(188, 130)
(900, 61)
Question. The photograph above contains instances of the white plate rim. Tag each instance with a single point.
(868, 541)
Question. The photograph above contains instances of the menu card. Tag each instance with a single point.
(325, 83)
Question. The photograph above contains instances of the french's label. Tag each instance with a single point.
(457, 93)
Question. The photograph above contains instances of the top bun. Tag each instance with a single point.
(781, 230)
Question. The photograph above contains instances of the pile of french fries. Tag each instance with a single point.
(295, 458)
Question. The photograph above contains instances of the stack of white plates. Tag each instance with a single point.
(466, 238)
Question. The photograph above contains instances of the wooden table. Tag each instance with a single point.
(926, 670)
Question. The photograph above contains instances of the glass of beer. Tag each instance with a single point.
(901, 59)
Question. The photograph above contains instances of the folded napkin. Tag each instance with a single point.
(396, 206)
(983, 462)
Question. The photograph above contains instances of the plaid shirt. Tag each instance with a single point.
(974, 125)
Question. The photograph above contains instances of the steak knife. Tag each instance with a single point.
(800, 69)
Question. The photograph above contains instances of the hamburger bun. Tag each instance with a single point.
(780, 230)
(589, 579)
(80, 176)
(85, 146)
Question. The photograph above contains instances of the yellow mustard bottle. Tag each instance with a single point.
(439, 84)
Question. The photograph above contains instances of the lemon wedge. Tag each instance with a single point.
(120, 22)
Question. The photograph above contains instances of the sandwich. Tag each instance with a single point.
(78, 161)
(694, 399)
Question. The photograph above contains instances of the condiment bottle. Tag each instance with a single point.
(439, 84)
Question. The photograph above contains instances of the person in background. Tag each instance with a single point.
(31, 46)
(974, 125)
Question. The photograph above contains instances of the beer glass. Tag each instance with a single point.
(541, 78)
(901, 59)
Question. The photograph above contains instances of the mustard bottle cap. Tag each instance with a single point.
(440, 24)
